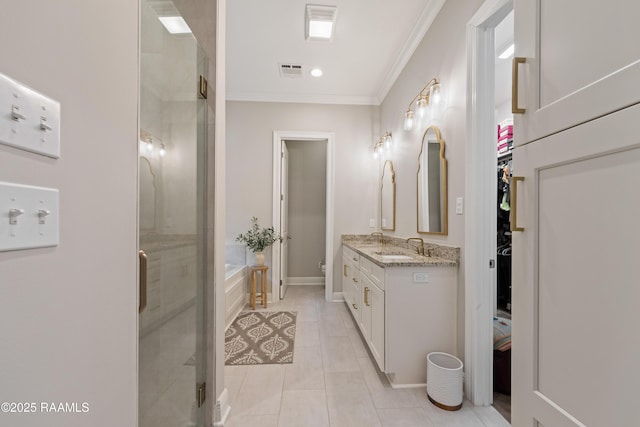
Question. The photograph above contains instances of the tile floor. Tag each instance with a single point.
(333, 381)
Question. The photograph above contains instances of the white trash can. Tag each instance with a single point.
(444, 381)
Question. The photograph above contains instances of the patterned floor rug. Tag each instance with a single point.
(260, 337)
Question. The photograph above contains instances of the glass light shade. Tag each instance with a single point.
(421, 108)
(437, 103)
(408, 120)
(387, 141)
(435, 96)
(162, 150)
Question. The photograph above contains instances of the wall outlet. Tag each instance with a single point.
(459, 205)
(420, 277)
(372, 223)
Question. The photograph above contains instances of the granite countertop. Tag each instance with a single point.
(383, 253)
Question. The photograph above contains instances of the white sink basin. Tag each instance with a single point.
(395, 257)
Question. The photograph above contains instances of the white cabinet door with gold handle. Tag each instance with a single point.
(365, 314)
(580, 63)
(576, 276)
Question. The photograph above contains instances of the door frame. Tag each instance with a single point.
(480, 194)
(278, 139)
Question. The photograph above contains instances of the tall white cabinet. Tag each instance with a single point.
(576, 269)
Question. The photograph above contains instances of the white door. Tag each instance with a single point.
(284, 218)
(582, 61)
(576, 276)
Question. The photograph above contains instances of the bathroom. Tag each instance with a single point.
(84, 292)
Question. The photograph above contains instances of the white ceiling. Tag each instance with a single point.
(373, 40)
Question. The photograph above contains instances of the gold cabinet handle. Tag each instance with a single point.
(355, 307)
(514, 85)
(143, 281)
(366, 296)
(514, 203)
(344, 268)
(355, 280)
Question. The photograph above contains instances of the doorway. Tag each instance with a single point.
(302, 145)
(481, 196)
(503, 122)
(171, 191)
(303, 214)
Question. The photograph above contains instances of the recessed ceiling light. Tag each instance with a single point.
(316, 72)
(175, 24)
(508, 52)
(320, 22)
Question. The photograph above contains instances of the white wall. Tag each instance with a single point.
(68, 314)
(441, 54)
(249, 147)
(307, 207)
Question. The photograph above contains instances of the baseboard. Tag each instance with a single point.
(337, 297)
(222, 410)
(401, 386)
(305, 281)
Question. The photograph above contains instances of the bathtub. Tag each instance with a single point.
(235, 285)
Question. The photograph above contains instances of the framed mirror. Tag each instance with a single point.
(388, 197)
(432, 184)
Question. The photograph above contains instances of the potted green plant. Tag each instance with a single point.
(257, 239)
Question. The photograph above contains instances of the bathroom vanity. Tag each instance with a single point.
(404, 303)
(171, 278)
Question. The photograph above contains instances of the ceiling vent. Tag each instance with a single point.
(319, 22)
(290, 70)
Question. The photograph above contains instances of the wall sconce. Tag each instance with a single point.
(384, 143)
(146, 145)
(427, 101)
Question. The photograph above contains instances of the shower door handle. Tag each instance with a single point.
(143, 281)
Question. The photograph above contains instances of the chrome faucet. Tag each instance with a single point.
(419, 249)
(380, 237)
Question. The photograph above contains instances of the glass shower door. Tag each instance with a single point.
(171, 199)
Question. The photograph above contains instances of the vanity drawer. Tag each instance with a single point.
(351, 255)
(373, 271)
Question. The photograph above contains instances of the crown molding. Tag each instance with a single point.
(418, 32)
(301, 98)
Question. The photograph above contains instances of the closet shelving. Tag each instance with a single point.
(504, 173)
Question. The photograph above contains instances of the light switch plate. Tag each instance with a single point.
(28, 120)
(459, 205)
(372, 223)
(35, 213)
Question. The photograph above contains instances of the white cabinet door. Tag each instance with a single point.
(376, 299)
(346, 288)
(350, 286)
(365, 321)
(576, 276)
(355, 295)
(582, 62)
(373, 320)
